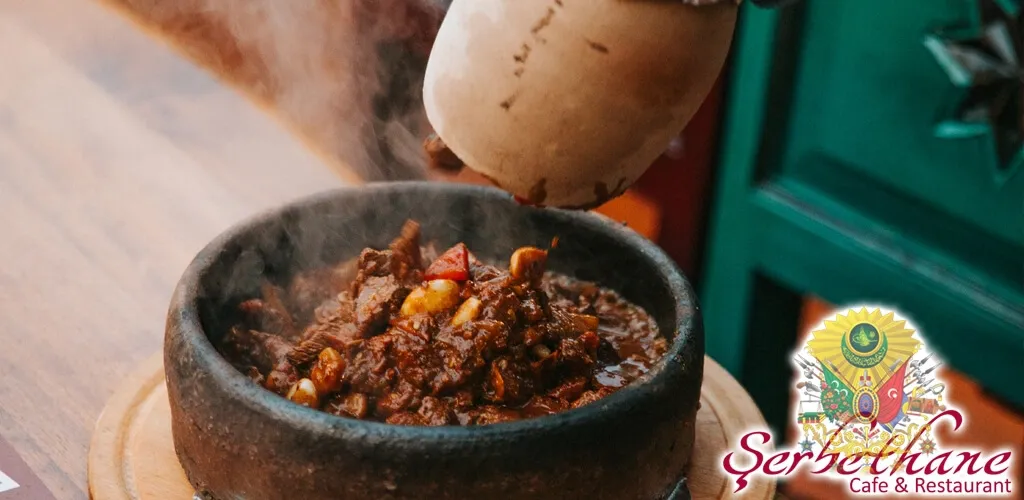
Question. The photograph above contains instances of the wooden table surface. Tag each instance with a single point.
(118, 161)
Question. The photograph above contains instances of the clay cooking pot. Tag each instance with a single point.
(235, 439)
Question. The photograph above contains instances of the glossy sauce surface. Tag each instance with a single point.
(409, 338)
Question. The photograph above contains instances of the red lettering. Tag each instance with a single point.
(875, 486)
(958, 420)
(931, 468)
(973, 461)
(910, 464)
(741, 475)
(1003, 458)
(881, 454)
(856, 457)
(779, 459)
(797, 457)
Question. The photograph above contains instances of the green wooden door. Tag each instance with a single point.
(850, 170)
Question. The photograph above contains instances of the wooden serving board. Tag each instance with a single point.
(132, 456)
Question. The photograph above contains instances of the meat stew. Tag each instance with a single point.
(409, 337)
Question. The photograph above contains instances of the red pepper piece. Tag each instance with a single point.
(451, 265)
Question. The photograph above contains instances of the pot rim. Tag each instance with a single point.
(184, 322)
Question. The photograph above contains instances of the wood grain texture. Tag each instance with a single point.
(119, 160)
(344, 75)
(132, 455)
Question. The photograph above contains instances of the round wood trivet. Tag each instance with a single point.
(131, 456)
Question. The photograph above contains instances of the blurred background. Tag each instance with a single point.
(851, 151)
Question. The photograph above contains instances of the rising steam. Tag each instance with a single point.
(346, 73)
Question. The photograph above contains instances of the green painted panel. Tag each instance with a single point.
(868, 94)
(836, 180)
(976, 328)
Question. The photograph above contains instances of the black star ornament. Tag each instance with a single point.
(986, 64)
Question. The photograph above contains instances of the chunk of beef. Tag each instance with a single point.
(462, 404)
(368, 369)
(281, 378)
(337, 332)
(568, 324)
(254, 374)
(420, 325)
(461, 400)
(534, 307)
(255, 348)
(406, 261)
(487, 415)
(435, 412)
(572, 355)
(371, 263)
(565, 293)
(404, 395)
(447, 379)
(464, 352)
(571, 389)
(353, 405)
(459, 356)
(480, 272)
(257, 315)
(342, 306)
(490, 337)
(308, 349)
(538, 406)
(309, 289)
(268, 314)
(406, 418)
(499, 302)
(374, 262)
(533, 337)
(509, 381)
(413, 357)
(377, 299)
(591, 396)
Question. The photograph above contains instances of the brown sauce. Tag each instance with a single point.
(403, 338)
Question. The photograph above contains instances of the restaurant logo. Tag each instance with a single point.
(869, 399)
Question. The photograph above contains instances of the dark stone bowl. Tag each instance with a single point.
(236, 440)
